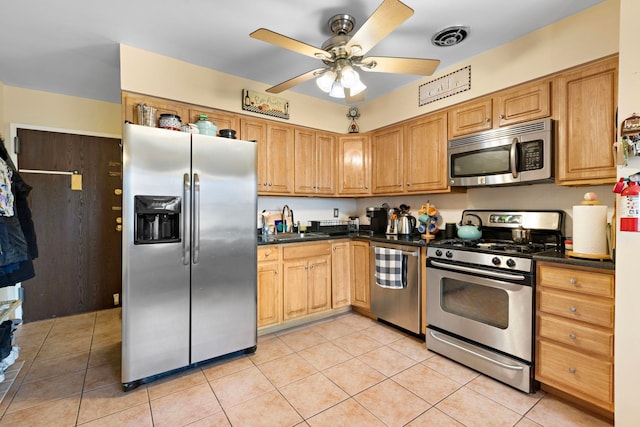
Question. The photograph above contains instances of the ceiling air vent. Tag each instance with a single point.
(450, 36)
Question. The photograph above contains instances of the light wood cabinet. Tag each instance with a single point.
(470, 117)
(307, 279)
(575, 331)
(387, 171)
(221, 119)
(340, 274)
(354, 165)
(275, 154)
(269, 286)
(523, 103)
(585, 101)
(130, 103)
(315, 159)
(425, 154)
(360, 290)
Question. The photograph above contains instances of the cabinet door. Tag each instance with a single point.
(470, 117)
(387, 161)
(353, 165)
(425, 154)
(269, 294)
(586, 100)
(325, 163)
(526, 102)
(221, 119)
(305, 162)
(295, 293)
(256, 130)
(360, 291)
(319, 282)
(340, 275)
(280, 158)
(130, 103)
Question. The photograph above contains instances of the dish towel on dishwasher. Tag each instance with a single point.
(389, 268)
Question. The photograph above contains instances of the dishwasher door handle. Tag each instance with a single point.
(407, 253)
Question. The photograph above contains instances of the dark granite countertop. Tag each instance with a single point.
(413, 240)
(561, 257)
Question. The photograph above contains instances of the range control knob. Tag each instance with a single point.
(511, 263)
(438, 252)
(496, 261)
(449, 254)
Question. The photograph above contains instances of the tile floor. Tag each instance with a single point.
(344, 371)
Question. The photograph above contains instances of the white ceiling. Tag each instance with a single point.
(71, 46)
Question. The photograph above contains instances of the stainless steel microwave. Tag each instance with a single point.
(510, 155)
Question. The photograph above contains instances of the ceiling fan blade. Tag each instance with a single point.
(383, 64)
(386, 18)
(359, 97)
(295, 81)
(289, 43)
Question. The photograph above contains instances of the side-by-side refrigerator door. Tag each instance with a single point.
(155, 282)
(223, 269)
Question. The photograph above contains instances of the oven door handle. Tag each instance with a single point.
(482, 356)
(496, 274)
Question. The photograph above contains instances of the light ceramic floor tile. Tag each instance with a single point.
(526, 422)
(53, 388)
(185, 406)
(434, 417)
(224, 367)
(552, 411)
(175, 383)
(458, 373)
(98, 376)
(475, 410)
(383, 334)
(301, 339)
(355, 321)
(47, 368)
(325, 355)
(219, 419)
(109, 354)
(426, 383)
(387, 360)
(109, 399)
(353, 376)
(61, 412)
(137, 416)
(507, 396)
(333, 329)
(270, 350)
(241, 386)
(412, 347)
(345, 414)
(313, 394)
(357, 344)
(61, 347)
(271, 409)
(287, 369)
(391, 403)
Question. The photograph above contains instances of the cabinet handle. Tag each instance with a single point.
(366, 187)
(572, 309)
(572, 370)
(573, 281)
(572, 336)
(488, 119)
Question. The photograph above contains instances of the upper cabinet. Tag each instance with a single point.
(130, 103)
(221, 119)
(387, 149)
(470, 117)
(354, 165)
(425, 154)
(585, 101)
(315, 159)
(275, 154)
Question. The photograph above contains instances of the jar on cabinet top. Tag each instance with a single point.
(169, 121)
(205, 126)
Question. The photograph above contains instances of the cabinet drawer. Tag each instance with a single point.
(583, 281)
(576, 335)
(585, 309)
(268, 253)
(558, 366)
(305, 250)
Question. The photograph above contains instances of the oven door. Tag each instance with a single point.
(490, 311)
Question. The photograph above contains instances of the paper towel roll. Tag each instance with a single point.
(590, 229)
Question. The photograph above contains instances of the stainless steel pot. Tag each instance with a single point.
(521, 235)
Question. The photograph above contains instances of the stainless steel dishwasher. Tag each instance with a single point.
(400, 306)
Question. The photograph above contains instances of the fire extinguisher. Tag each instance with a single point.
(630, 209)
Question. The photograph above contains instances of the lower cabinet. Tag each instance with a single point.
(340, 274)
(360, 291)
(269, 286)
(575, 331)
(307, 279)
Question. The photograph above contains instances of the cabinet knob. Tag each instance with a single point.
(572, 336)
(488, 119)
(573, 281)
(266, 254)
(118, 191)
(572, 370)
(501, 116)
(408, 184)
(572, 309)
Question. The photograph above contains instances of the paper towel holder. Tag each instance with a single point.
(590, 202)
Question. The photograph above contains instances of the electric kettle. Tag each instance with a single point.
(406, 224)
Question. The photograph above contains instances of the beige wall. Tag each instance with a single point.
(580, 38)
(149, 73)
(3, 135)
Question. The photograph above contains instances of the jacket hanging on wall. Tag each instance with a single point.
(17, 232)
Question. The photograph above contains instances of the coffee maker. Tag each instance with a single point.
(377, 220)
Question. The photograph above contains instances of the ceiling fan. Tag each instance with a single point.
(342, 54)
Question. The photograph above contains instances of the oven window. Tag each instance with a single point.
(480, 303)
(487, 161)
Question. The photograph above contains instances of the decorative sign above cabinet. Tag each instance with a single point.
(263, 103)
(445, 86)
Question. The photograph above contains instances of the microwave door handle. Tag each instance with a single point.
(513, 157)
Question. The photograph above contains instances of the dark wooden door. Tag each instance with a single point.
(79, 264)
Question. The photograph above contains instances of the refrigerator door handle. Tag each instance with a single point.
(196, 218)
(186, 202)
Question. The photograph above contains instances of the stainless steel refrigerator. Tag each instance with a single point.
(189, 250)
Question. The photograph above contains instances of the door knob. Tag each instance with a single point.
(119, 227)
(118, 191)
(119, 220)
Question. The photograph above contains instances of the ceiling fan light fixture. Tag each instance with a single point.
(349, 77)
(357, 88)
(337, 90)
(325, 81)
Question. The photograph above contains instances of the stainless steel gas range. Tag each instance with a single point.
(480, 293)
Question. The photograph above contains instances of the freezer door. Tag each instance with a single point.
(155, 280)
(223, 256)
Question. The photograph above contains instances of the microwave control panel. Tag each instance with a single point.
(531, 155)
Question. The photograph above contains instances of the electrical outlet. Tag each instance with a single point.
(116, 299)
(336, 212)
